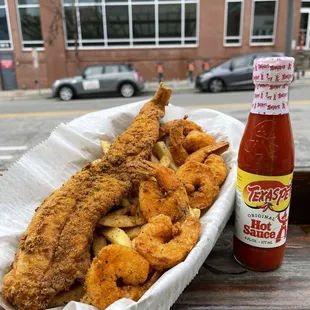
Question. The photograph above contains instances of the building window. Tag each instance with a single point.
(30, 23)
(233, 23)
(117, 18)
(305, 4)
(264, 15)
(143, 23)
(5, 35)
(135, 23)
(304, 26)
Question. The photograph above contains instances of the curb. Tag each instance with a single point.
(174, 90)
(13, 98)
(49, 96)
(301, 82)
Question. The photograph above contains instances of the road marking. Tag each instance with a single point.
(81, 112)
(13, 148)
(43, 114)
(6, 157)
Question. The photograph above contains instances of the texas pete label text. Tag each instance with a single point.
(259, 193)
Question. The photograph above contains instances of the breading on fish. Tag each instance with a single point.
(54, 252)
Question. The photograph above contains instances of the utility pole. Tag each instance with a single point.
(76, 36)
(35, 60)
(289, 27)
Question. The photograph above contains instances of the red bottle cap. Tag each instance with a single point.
(273, 70)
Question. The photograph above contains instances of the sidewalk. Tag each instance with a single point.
(46, 93)
(150, 87)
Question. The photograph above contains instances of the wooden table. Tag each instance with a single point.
(223, 284)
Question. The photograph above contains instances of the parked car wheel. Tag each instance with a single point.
(127, 90)
(216, 86)
(66, 93)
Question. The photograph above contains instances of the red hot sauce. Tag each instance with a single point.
(265, 169)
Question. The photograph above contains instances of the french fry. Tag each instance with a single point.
(165, 161)
(195, 212)
(98, 244)
(133, 232)
(116, 236)
(105, 145)
(122, 211)
(160, 149)
(154, 159)
(61, 299)
(130, 209)
(112, 220)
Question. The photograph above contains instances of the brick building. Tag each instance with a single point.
(67, 33)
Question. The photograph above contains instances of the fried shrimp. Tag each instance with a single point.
(200, 183)
(203, 153)
(117, 272)
(178, 131)
(196, 140)
(218, 168)
(165, 194)
(163, 244)
(176, 141)
(189, 126)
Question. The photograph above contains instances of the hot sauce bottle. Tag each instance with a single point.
(265, 169)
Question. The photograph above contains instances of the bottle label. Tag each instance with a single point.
(262, 209)
(270, 99)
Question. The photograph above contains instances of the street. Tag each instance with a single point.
(25, 123)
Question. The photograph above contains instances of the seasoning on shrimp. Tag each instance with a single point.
(163, 244)
(176, 141)
(200, 183)
(196, 140)
(189, 126)
(204, 152)
(165, 194)
(117, 272)
(184, 137)
(218, 168)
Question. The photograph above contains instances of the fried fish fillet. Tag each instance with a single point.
(54, 252)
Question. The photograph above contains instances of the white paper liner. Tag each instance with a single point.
(47, 166)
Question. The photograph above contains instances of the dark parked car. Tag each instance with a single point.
(99, 78)
(234, 73)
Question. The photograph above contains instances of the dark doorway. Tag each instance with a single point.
(7, 71)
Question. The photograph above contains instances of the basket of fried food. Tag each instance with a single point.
(118, 225)
(145, 235)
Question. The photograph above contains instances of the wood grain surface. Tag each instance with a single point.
(223, 284)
